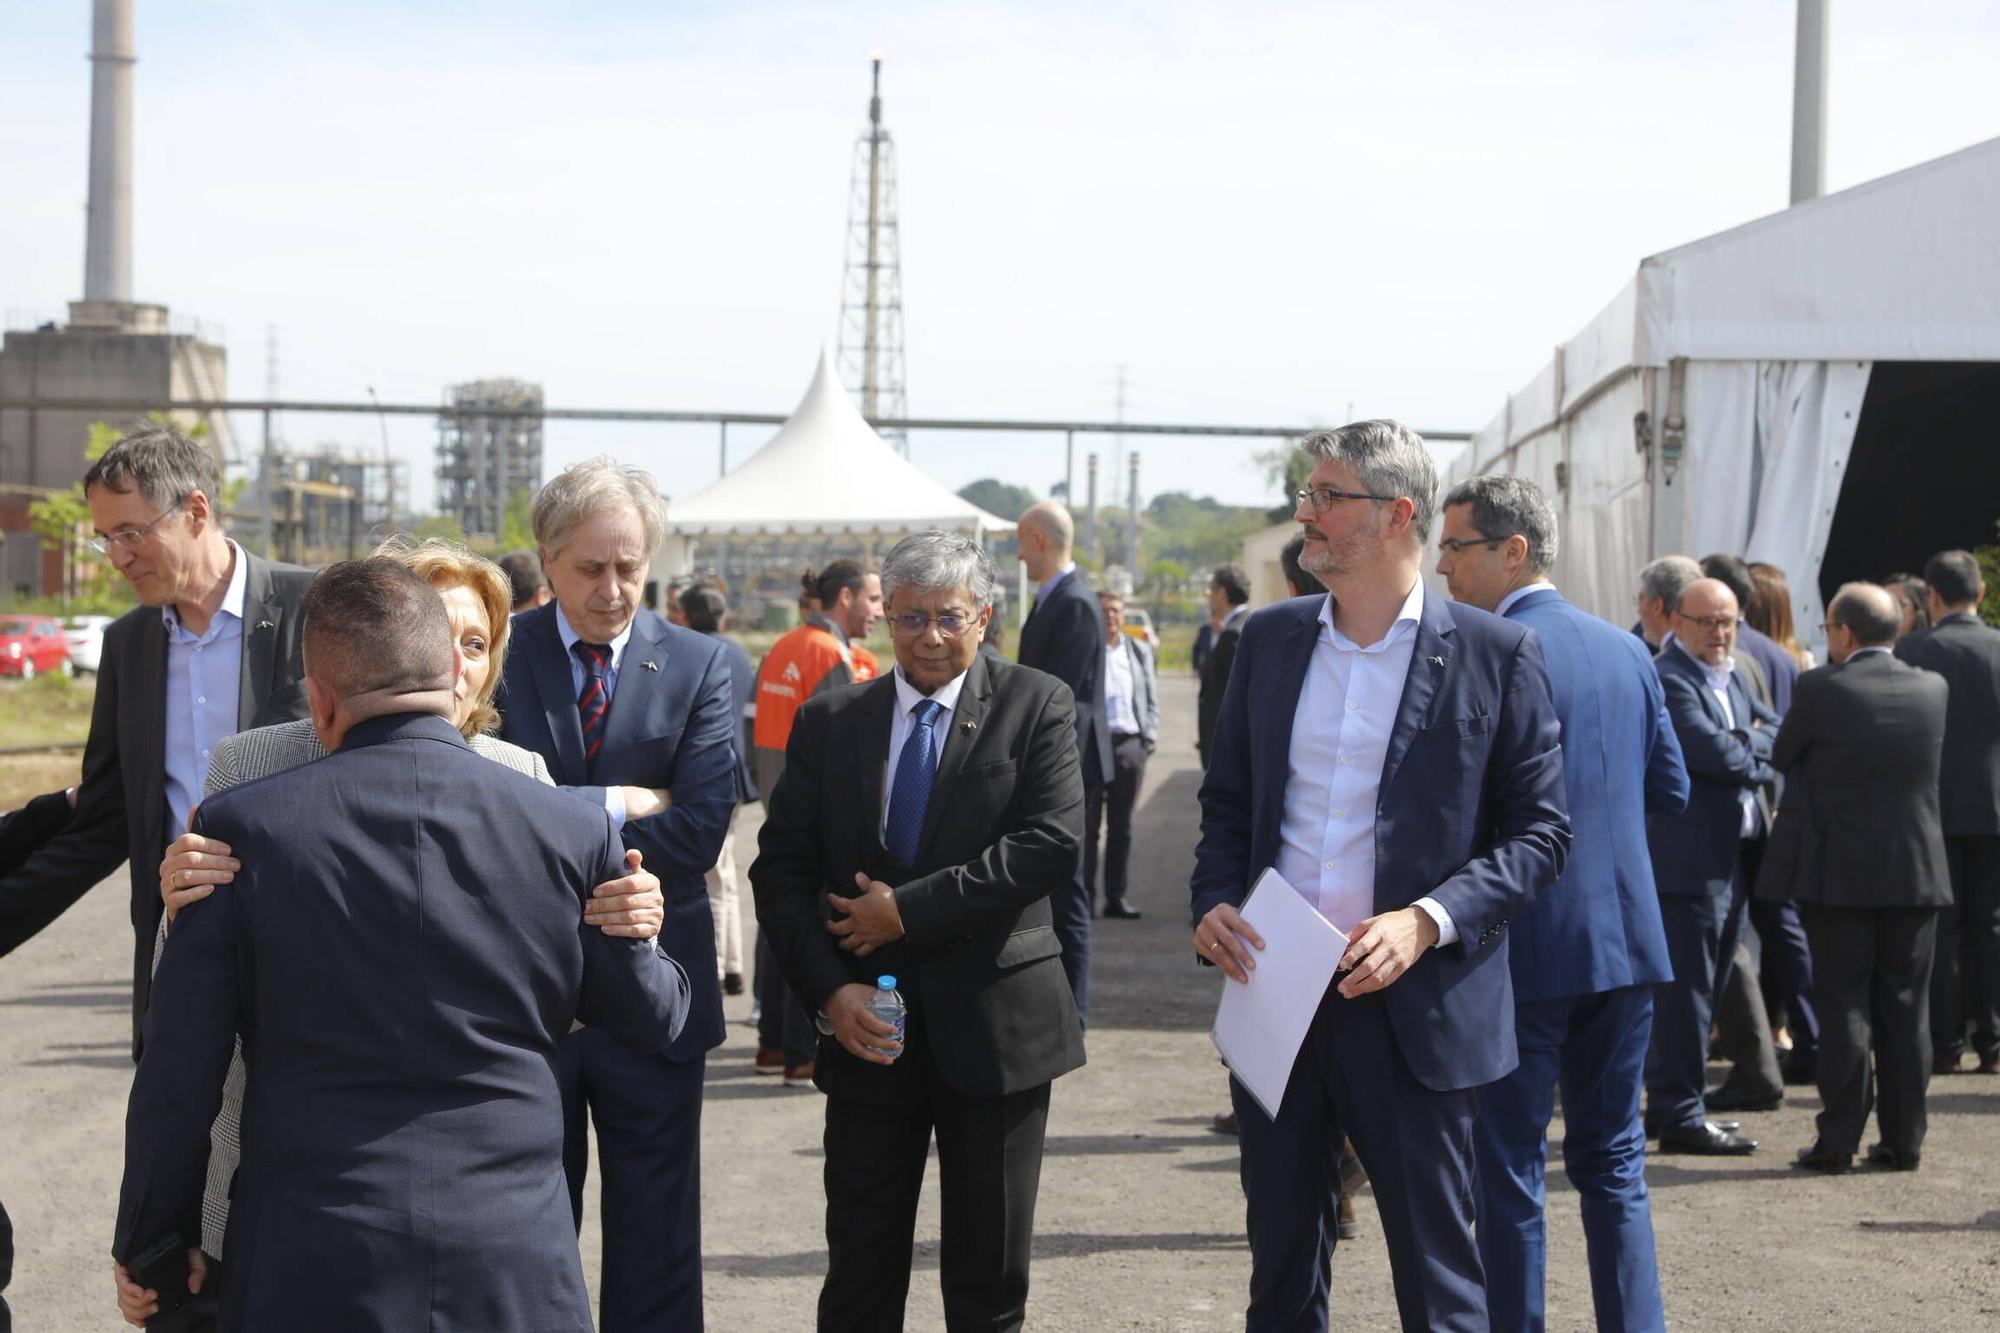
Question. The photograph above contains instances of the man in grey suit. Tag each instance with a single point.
(1132, 709)
(1859, 845)
(212, 649)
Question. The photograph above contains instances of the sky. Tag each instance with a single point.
(1266, 213)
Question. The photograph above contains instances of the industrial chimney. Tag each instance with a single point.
(1809, 103)
(107, 262)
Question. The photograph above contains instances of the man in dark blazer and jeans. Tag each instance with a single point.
(923, 822)
(625, 707)
(1858, 844)
(1064, 636)
(212, 649)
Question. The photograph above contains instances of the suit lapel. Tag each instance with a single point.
(260, 642)
(872, 716)
(148, 717)
(1429, 659)
(958, 742)
(549, 665)
(1274, 750)
(631, 702)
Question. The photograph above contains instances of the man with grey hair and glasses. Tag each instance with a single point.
(637, 715)
(1661, 583)
(1587, 955)
(212, 649)
(1396, 759)
(923, 823)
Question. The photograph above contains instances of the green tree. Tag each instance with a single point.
(998, 498)
(1989, 573)
(1286, 468)
(438, 525)
(517, 525)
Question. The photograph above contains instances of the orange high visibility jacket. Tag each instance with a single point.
(799, 663)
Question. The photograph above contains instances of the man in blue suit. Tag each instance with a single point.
(635, 714)
(1587, 955)
(1697, 856)
(1397, 760)
(400, 972)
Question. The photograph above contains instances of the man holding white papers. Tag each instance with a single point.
(1397, 759)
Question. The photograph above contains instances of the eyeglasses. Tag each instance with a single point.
(129, 538)
(909, 624)
(1453, 545)
(1712, 623)
(1322, 497)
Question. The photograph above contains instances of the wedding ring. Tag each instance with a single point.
(1215, 944)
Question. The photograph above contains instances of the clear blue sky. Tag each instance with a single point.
(1266, 212)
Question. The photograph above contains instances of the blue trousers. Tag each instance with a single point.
(647, 1109)
(1350, 1082)
(1594, 1047)
(1700, 938)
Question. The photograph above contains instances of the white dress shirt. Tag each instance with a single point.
(204, 680)
(901, 724)
(1121, 691)
(1718, 685)
(1507, 602)
(1340, 740)
(614, 797)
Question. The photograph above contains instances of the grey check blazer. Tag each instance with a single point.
(244, 757)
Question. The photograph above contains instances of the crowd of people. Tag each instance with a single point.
(444, 880)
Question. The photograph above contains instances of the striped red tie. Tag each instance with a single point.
(593, 702)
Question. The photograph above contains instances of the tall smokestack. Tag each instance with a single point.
(107, 262)
(1809, 104)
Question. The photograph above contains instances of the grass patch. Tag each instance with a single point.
(48, 710)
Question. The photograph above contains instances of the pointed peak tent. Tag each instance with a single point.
(826, 472)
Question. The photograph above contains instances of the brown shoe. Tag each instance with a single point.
(770, 1062)
(1353, 1179)
(1224, 1123)
(799, 1076)
(1347, 1227)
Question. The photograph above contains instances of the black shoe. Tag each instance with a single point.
(1706, 1140)
(1890, 1159)
(1945, 1064)
(1800, 1071)
(1726, 1098)
(1726, 1126)
(732, 983)
(1120, 910)
(1224, 1123)
(1988, 1064)
(1823, 1160)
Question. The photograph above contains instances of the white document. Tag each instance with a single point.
(1261, 1023)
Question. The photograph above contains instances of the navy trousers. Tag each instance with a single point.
(1698, 939)
(1416, 1143)
(647, 1110)
(1785, 972)
(1594, 1047)
(1070, 907)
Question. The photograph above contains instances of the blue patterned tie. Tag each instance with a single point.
(915, 768)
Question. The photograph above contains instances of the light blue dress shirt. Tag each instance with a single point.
(204, 679)
(614, 798)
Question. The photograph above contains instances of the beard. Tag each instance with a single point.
(1345, 554)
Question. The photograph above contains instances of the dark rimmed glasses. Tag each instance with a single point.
(1322, 497)
(1453, 545)
(909, 624)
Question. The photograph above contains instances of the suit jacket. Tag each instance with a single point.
(1599, 927)
(1215, 678)
(1694, 850)
(743, 705)
(979, 960)
(24, 831)
(1967, 654)
(1774, 664)
(400, 954)
(121, 805)
(1145, 689)
(1859, 824)
(1469, 812)
(671, 725)
(1064, 636)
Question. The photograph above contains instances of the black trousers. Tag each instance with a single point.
(782, 1021)
(1871, 976)
(989, 1173)
(1965, 978)
(1112, 804)
(1785, 972)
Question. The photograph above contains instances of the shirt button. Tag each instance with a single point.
(1328, 864)
(1337, 814)
(1352, 706)
(204, 699)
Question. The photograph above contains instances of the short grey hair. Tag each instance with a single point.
(928, 561)
(1667, 578)
(164, 464)
(1388, 458)
(591, 487)
(1504, 505)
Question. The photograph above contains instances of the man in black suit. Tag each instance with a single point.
(1064, 636)
(1858, 844)
(1965, 979)
(705, 609)
(163, 699)
(636, 715)
(1229, 605)
(399, 985)
(935, 811)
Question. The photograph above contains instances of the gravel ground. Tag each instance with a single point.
(1140, 1224)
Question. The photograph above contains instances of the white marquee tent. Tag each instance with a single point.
(825, 472)
(1714, 404)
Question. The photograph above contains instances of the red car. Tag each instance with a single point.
(30, 645)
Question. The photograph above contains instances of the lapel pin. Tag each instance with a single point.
(967, 726)
(650, 665)
(266, 624)
(1437, 661)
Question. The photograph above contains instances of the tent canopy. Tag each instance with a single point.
(826, 471)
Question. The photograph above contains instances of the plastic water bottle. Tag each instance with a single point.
(887, 1004)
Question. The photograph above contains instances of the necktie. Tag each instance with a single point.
(915, 768)
(593, 701)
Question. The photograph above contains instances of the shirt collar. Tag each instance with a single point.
(1507, 602)
(570, 638)
(1406, 622)
(1871, 648)
(1055, 578)
(232, 598)
(820, 620)
(909, 696)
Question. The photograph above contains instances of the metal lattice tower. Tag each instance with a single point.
(484, 461)
(871, 297)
